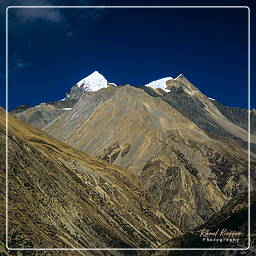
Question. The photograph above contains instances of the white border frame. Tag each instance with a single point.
(133, 249)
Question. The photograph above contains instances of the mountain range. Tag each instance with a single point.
(125, 166)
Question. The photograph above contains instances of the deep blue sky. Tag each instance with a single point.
(50, 50)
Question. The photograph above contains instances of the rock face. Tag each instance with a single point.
(43, 114)
(189, 173)
(233, 216)
(238, 116)
(20, 108)
(61, 197)
(189, 154)
(91, 83)
(178, 157)
(212, 117)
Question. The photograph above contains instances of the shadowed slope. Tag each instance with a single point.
(233, 216)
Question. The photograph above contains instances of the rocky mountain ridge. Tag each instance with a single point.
(189, 155)
(96, 81)
(185, 152)
(61, 197)
(182, 167)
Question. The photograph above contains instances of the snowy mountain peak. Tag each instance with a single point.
(94, 82)
(160, 83)
(181, 76)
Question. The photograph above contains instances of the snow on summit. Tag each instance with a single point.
(93, 82)
(160, 83)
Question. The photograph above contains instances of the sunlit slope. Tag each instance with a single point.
(189, 173)
(61, 197)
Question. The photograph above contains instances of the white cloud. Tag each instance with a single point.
(32, 14)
